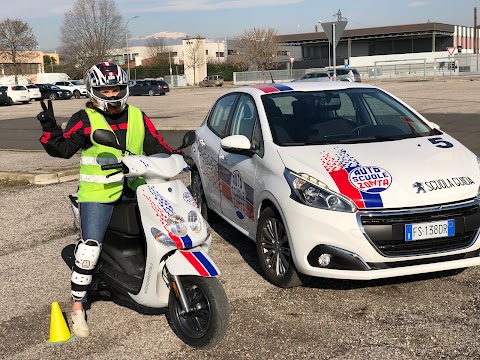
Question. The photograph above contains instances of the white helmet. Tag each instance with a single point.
(107, 74)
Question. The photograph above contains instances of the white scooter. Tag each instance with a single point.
(155, 251)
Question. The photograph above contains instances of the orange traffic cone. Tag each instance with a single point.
(59, 332)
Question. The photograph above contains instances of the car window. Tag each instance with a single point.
(257, 138)
(388, 113)
(54, 87)
(218, 120)
(340, 116)
(244, 117)
(347, 110)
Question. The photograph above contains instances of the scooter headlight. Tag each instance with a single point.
(177, 225)
(194, 221)
(163, 238)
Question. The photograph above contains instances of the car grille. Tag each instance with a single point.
(386, 230)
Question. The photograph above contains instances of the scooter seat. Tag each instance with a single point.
(126, 217)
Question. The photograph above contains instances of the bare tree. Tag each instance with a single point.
(193, 57)
(157, 48)
(17, 44)
(90, 30)
(257, 49)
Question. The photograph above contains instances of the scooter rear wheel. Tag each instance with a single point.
(207, 325)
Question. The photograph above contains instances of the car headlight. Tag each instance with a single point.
(194, 221)
(177, 225)
(313, 192)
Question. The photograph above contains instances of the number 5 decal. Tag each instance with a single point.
(439, 142)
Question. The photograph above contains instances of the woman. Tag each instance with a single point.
(107, 88)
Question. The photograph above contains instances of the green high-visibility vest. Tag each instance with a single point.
(94, 186)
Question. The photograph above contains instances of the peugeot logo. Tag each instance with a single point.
(419, 187)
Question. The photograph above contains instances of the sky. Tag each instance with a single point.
(217, 19)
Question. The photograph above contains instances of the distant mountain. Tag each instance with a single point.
(171, 38)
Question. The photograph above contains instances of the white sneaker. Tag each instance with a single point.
(79, 324)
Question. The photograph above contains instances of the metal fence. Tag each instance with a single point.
(391, 69)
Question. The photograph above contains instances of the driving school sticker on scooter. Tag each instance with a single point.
(370, 179)
(189, 199)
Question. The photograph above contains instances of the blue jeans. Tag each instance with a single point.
(94, 220)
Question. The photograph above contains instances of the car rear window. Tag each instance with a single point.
(355, 71)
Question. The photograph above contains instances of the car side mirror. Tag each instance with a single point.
(107, 138)
(237, 144)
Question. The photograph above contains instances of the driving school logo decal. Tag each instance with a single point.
(362, 184)
(370, 179)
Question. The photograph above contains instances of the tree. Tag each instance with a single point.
(17, 44)
(194, 57)
(157, 48)
(90, 30)
(49, 61)
(257, 49)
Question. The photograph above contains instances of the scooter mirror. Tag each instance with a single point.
(107, 138)
(188, 139)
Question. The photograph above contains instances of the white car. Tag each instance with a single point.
(337, 180)
(18, 94)
(77, 87)
(34, 92)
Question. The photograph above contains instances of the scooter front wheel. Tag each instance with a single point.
(206, 325)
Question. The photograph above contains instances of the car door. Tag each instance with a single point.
(236, 171)
(208, 138)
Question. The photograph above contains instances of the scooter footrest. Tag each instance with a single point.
(121, 281)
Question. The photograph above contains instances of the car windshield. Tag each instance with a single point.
(54, 87)
(340, 116)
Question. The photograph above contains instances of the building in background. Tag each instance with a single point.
(30, 63)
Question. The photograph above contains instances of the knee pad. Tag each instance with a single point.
(87, 253)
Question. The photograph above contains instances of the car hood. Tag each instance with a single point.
(392, 174)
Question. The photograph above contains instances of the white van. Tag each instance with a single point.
(50, 78)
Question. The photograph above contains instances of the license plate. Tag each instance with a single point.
(23, 97)
(429, 230)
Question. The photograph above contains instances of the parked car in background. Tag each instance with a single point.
(34, 92)
(77, 87)
(53, 92)
(165, 87)
(149, 87)
(4, 99)
(17, 94)
(337, 180)
(351, 75)
(316, 76)
(211, 80)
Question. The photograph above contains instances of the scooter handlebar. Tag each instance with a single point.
(112, 166)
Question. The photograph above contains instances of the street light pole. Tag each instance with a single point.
(126, 40)
(170, 65)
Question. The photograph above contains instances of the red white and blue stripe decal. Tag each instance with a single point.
(339, 166)
(200, 262)
(163, 210)
(270, 88)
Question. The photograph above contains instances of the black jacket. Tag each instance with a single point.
(64, 144)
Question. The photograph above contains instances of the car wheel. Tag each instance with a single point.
(151, 93)
(76, 94)
(10, 101)
(273, 250)
(199, 197)
(52, 96)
